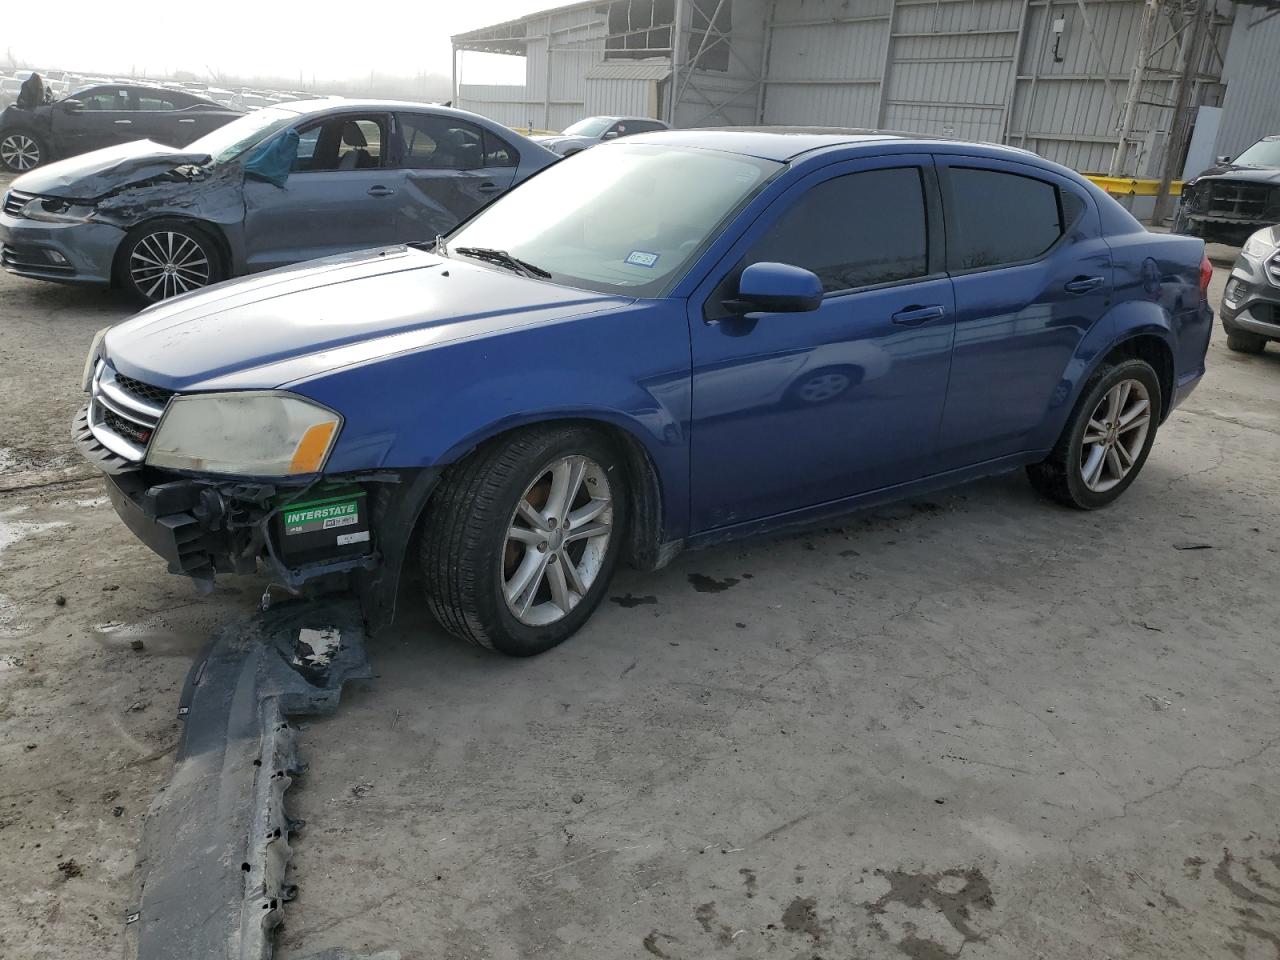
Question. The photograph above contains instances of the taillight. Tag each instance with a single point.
(1206, 274)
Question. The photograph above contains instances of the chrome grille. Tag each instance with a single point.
(124, 413)
(15, 200)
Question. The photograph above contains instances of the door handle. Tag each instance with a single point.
(914, 316)
(187, 120)
(130, 122)
(1082, 284)
(488, 187)
(380, 191)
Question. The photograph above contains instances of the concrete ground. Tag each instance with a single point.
(976, 724)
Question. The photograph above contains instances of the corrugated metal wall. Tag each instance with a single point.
(1251, 108)
(505, 104)
(825, 62)
(976, 69)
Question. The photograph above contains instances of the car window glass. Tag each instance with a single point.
(340, 143)
(996, 217)
(104, 98)
(440, 143)
(151, 101)
(853, 231)
(497, 152)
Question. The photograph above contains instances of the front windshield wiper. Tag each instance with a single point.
(504, 259)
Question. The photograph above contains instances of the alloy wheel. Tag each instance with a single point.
(1115, 435)
(19, 152)
(167, 263)
(557, 540)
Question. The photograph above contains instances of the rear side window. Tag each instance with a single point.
(996, 218)
(854, 231)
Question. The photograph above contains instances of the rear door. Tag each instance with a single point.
(1032, 274)
(340, 196)
(452, 168)
(156, 114)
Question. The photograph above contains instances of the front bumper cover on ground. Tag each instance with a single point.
(211, 876)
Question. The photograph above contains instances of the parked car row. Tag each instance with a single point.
(270, 188)
(669, 341)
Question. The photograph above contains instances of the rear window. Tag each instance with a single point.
(996, 218)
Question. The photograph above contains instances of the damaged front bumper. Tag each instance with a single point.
(63, 252)
(357, 524)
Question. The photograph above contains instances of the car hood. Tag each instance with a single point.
(301, 322)
(1230, 171)
(99, 172)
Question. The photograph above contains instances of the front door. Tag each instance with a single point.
(797, 410)
(1032, 274)
(104, 117)
(452, 169)
(340, 196)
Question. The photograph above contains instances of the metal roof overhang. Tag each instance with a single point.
(512, 36)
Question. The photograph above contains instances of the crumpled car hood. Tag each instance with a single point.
(94, 174)
(304, 321)
(1248, 174)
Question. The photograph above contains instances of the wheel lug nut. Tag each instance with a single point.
(542, 547)
(551, 559)
(552, 523)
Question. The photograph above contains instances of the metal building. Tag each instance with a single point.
(1251, 108)
(1055, 76)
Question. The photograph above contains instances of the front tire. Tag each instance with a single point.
(522, 537)
(1242, 342)
(1106, 442)
(22, 150)
(164, 258)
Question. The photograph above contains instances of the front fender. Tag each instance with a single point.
(627, 368)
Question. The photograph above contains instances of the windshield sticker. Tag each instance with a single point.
(642, 258)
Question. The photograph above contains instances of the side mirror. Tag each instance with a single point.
(1224, 159)
(776, 288)
(611, 135)
(71, 106)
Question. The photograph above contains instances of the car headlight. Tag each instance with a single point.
(91, 361)
(1257, 247)
(53, 210)
(260, 434)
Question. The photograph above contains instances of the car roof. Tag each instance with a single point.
(787, 143)
(338, 104)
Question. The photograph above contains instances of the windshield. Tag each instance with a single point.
(590, 127)
(624, 219)
(1264, 153)
(228, 142)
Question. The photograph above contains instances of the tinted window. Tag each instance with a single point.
(440, 143)
(153, 101)
(996, 218)
(498, 153)
(854, 231)
(104, 98)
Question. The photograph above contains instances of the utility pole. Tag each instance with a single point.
(1183, 108)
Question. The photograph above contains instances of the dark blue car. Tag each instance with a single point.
(666, 342)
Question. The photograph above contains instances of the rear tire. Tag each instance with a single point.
(22, 150)
(1242, 342)
(516, 534)
(165, 258)
(1106, 442)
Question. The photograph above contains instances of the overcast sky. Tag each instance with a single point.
(338, 41)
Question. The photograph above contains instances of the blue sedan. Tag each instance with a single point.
(666, 342)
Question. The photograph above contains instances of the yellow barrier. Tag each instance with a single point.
(1133, 186)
